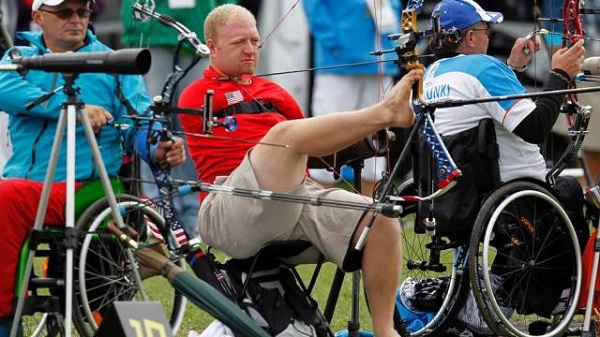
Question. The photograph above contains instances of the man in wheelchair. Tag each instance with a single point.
(497, 142)
(270, 151)
(108, 97)
(463, 71)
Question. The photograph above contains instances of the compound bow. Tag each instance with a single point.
(578, 116)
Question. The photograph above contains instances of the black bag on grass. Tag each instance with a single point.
(274, 299)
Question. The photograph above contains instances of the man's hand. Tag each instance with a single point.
(569, 60)
(97, 116)
(520, 54)
(172, 152)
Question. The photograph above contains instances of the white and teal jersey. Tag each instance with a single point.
(475, 76)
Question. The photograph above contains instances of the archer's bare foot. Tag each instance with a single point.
(396, 103)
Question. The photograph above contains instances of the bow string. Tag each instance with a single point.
(380, 141)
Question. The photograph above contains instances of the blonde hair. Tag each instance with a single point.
(218, 17)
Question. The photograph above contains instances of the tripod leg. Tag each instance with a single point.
(40, 215)
(70, 210)
(354, 323)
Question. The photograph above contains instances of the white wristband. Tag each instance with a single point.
(519, 70)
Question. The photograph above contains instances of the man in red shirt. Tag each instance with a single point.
(270, 150)
(258, 105)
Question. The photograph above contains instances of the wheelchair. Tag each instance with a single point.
(514, 263)
(525, 262)
(104, 269)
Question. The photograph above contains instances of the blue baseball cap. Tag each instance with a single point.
(461, 14)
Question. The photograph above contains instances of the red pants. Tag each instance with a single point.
(19, 201)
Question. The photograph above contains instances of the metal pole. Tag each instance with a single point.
(39, 218)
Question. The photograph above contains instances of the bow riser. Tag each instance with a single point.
(407, 50)
(572, 23)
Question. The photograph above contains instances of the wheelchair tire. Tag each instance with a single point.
(525, 262)
(106, 270)
(429, 257)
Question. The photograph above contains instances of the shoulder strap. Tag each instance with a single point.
(122, 99)
(246, 107)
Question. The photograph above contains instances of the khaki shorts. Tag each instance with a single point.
(240, 226)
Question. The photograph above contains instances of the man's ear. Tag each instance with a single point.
(468, 37)
(36, 17)
(210, 43)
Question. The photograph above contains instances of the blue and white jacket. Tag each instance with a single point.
(479, 76)
(32, 131)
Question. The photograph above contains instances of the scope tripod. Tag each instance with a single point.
(68, 119)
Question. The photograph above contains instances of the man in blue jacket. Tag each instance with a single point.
(106, 96)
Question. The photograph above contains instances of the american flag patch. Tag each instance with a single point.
(154, 230)
(178, 232)
(176, 227)
(234, 97)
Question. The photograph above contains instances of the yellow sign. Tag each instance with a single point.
(135, 319)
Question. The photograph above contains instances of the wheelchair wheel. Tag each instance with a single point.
(524, 262)
(435, 269)
(106, 270)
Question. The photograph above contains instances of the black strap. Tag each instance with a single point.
(246, 107)
(486, 139)
(130, 110)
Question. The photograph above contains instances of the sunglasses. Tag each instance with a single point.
(488, 31)
(67, 13)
